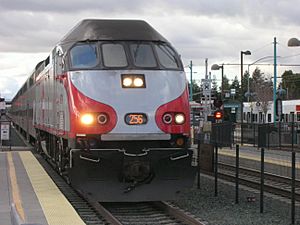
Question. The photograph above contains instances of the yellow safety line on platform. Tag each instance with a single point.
(57, 209)
(251, 157)
(14, 186)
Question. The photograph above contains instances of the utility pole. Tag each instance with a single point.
(275, 79)
(191, 82)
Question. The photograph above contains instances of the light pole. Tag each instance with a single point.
(191, 83)
(242, 105)
(293, 42)
(217, 67)
(242, 72)
(275, 80)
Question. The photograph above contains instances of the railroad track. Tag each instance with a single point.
(150, 213)
(272, 183)
(141, 213)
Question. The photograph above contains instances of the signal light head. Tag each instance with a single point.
(218, 115)
(218, 103)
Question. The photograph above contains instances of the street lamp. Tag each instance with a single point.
(191, 83)
(293, 42)
(217, 67)
(242, 105)
(242, 72)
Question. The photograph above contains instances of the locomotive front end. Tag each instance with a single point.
(129, 117)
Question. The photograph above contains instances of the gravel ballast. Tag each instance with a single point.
(222, 210)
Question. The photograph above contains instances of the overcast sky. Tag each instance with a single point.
(198, 29)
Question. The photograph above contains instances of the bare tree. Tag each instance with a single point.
(263, 89)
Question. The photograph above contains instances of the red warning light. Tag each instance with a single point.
(218, 115)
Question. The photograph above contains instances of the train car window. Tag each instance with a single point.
(142, 55)
(260, 118)
(47, 61)
(114, 55)
(31, 80)
(291, 119)
(298, 116)
(166, 56)
(269, 118)
(84, 56)
(286, 118)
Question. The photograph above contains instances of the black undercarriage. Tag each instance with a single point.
(124, 171)
(117, 176)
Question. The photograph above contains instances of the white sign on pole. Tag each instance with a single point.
(206, 85)
(4, 131)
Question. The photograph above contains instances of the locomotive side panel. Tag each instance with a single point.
(61, 120)
(51, 107)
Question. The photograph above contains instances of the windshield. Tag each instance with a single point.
(84, 56)
(125, 55)
(166, 56)
(114, 55)
(142, 55)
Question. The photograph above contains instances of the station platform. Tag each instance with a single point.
(275, 161)
(28, 196)
(276, 157)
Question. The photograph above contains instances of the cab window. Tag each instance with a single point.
(166, 56)
(84, 56)
(142, 55)
(114, 55)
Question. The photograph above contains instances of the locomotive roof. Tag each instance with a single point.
(92, 29)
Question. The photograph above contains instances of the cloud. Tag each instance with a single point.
(198, 29)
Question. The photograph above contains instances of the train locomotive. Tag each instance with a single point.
(109, 108)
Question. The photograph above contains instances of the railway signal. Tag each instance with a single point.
(218, 115)
(218, 103)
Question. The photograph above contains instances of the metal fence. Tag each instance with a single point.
(279, 142)
(270, 135)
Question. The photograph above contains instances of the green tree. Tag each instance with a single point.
(196, 91)
(226, 85)
(214, 87)
(291, 83)
(243, 87)
(235, 84)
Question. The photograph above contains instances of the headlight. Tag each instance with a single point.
(138, 82)
(167, 118)
(102, 118)
(179, 118)
(133, 81)
(87, 119)
(127, 82)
